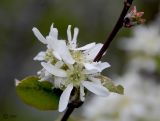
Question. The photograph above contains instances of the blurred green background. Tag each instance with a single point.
(18, 45)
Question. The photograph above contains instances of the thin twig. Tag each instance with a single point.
(70, 109)
(118, 26)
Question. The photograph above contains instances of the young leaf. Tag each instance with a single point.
(38, 94)
(108, 83)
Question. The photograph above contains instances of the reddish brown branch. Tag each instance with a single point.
(118, 26)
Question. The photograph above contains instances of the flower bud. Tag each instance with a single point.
(133, 18)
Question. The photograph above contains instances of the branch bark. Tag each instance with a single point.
(68, 113)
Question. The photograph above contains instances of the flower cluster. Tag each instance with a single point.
(148, 44)
(70, 67)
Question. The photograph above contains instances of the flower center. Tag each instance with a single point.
(78, 56)
(75, 75)
(50, 57)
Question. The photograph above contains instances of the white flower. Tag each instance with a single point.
(142, 63)
(75, 76)
(69, 67)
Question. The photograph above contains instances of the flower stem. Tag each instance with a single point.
(70, 109)
(118, 26)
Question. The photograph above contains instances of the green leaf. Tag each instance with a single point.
(38, 94)
(108, 83)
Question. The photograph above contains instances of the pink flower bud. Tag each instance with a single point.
(133, 18)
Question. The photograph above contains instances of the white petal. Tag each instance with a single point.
(86, 47)
(53, 32)
(90, 66)
(59, 64)
(93, 79)
(61, 48)
(17, 82)
(89, 71)
(58, 81)
(82, 94)
(98, 66)
(56, 54)
(39, 36)
(102, 65)
(91, 53)
(54, 70)
(69, 34)
(40, 56)
(64, 52)
(74, 40)
(70, 66)
(44, 75)
(64, 99)
(67, 58)
(52, 42)
(96, 88)
(41, 72)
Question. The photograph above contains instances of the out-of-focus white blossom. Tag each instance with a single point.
(142, 63)
(143, 47)
(145, 40)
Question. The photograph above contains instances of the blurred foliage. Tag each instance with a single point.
(18, 46)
